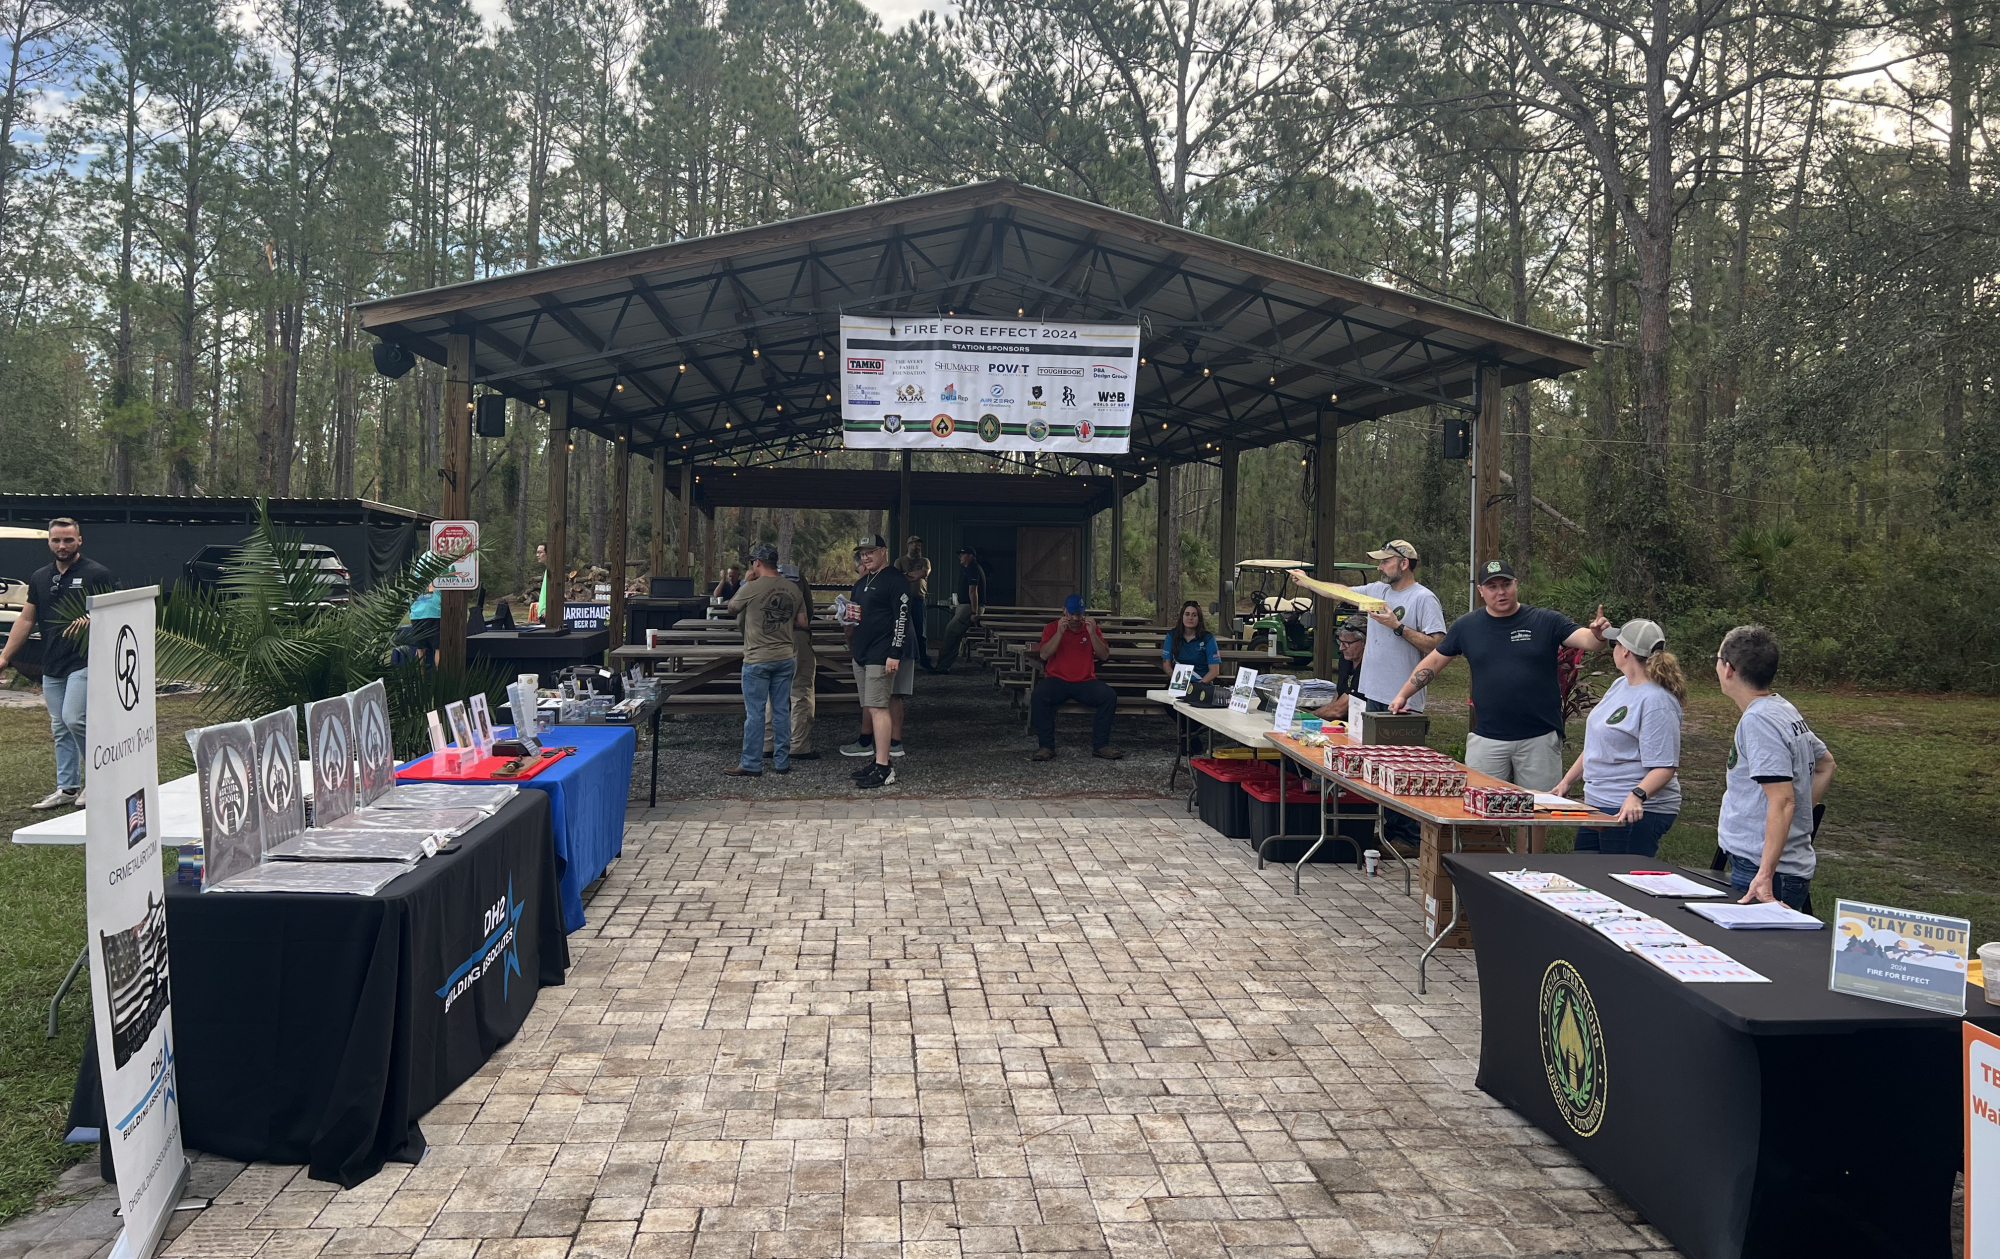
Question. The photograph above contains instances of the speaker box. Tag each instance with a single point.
(490, 416)
(1457, 439)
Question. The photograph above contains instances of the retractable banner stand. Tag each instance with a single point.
(125, 900)
(928, 382)
(1982, 1144)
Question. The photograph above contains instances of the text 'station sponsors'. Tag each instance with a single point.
(131, 994)
(926, 382)
(1982, 1143)
(1900, 955)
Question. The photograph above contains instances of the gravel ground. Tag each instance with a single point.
(964, 739)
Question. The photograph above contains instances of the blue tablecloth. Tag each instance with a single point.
(587, 795)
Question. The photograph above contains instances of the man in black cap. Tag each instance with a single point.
(1517, 722)
(971, 593)
(883, 643)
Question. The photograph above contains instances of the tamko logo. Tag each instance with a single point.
(865, 366)
(1572, 1048)
(125, 653)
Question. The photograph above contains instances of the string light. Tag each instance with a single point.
(684, 367)
(621, 387)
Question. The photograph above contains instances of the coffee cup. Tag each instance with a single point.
(1373, 859)
(1989, 964)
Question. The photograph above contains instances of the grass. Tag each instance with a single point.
(44, 927)
(1906, 825)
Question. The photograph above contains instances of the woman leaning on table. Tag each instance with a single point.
(1191, 643)
(1632, 746)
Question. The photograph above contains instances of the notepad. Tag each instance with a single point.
(1764, 916)
(1667, 885)
(1701, 965)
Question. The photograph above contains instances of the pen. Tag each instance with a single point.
(1649, 872)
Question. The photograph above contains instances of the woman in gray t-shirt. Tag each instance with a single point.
(1632, 746)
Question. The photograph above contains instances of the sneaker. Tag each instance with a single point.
(1043, 754)
(58, 799)
(778, 769)
(1107, 753)
(737, 771)
(857, 748)
(876, 776)
(895, 747)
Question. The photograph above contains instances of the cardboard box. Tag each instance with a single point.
(1436, 914)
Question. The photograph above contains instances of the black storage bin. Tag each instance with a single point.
(1301, 818)
(1218, 795)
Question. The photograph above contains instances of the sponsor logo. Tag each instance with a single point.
(1068, 396)
(126, 654)
(500, 950)
(1105, 371)
(909, 393)
(1085, 430)
(989, 427)
(1617, 717)
(942, 426)
(950, 393)
(1732, 756)
(1572, 1048)
(229, 790)
(892, 423)
(997, 396)
(135, 818)
(864, 366)
(1035, 398)
(969, 369)
(1111, 397)
(1058, 371)
(1007, 369)
(1492, 566)
(1038, 429)
(863, 396)
(908, 367)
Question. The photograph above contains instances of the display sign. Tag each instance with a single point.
(586, 616)
(1288, 706)
(283, 795)
(374, 746)
(1900, 955)
(1182, 681)
(457, 540)
(330, 729)
(1982, 1144)
(232, 811)
(930, 382)
(125, 901)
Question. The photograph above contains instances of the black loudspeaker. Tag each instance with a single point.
(1457, 439)
(393, 361)
(489, 417)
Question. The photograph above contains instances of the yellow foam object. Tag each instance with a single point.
(1346, 594)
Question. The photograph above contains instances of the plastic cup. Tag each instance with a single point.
(1373, 859)
(1989, 965)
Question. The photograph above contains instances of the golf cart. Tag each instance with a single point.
(1278, 621)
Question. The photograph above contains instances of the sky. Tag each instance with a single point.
(894, 13)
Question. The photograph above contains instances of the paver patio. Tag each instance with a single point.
(941, 1029)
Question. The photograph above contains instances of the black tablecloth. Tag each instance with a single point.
(320, 1029)
(1775, 1119)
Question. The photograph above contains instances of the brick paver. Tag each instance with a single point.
(937, 1029)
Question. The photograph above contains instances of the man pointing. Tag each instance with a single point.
(1517, 723)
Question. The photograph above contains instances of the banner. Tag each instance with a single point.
(929, 382)
(456, 540)
(126, 904)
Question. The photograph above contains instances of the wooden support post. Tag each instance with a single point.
(709, 573)
(457, 488)
(558, 508)
(1117, 565)
(1486, 473)
(1326, 550)
(1164, 599)
(684, 561)
(656, 548)
(1225, 543)
(621, 528)
(906, 523)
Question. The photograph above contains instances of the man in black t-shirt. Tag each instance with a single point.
(1517, 725)
(55, 603)
(883, 643)
(971, 596)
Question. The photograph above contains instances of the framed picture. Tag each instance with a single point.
(461, 726)
(1182, 681)
(482, 725)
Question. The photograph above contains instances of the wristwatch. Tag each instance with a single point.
(1641, 793)
(1400, 629)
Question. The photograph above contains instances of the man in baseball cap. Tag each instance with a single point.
(971, 594)
(1071, 646)
(1517, 726)
(768, 610)
(883, 642)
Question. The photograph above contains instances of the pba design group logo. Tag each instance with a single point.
(1572, 1048)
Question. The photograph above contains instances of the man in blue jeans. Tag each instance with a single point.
(1778, 770)
(55, 602)
(768, 609)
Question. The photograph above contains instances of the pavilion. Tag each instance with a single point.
(722, 351)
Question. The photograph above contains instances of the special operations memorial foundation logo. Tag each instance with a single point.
(989, 427)
(1572, 1048)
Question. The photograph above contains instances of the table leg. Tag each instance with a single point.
(62, 989)
(1382, 843)
(1431, 948)
(1180, 750)
(654, 801)
(1298, 869)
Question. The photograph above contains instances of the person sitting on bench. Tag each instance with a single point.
(1072, 644)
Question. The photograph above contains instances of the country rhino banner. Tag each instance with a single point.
(926, 382)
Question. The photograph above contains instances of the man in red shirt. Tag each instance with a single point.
(1072, 644)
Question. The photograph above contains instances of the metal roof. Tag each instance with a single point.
(728, 345)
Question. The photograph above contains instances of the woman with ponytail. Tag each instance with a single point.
(1632, 746)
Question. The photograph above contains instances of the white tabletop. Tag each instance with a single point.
(1250, 729)
(180, 815)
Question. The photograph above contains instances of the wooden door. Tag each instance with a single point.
(1048, 565)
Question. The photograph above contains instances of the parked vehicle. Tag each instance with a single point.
(205, 570)
(13, 598)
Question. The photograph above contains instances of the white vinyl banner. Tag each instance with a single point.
(125, 901)
(928, 382)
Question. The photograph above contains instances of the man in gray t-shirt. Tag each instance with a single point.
(1778, 771)
(1404, 634)
(769, 609)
